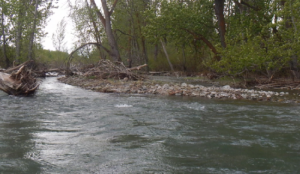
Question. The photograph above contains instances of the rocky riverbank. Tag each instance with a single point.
(179, 89)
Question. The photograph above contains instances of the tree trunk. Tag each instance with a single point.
(31, 39)
(106, 22)
(129, 50)
(167, 56)
(4, 39)
(184, 58)
(219, 9)
(155, 51)
(18, 41)
(207, 42)
(96, 30)
(110, 36)
(145, 51)
(19, 33)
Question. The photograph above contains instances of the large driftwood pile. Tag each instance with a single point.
(106, 69)
(18, 80)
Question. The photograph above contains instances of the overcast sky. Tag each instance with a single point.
(58, 14)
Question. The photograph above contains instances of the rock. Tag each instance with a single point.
(203, 94)
(192, 86)
(172, 92)
(244, 96)
(182, 89)
(226, 87)
(280, 100)
(195, 94)
(178, 93)
(165, 86)
(223, 94)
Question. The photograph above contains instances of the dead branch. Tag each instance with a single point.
(106, 69)
(137, 68)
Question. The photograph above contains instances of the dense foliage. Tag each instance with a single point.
(230, 37)
(22, 23)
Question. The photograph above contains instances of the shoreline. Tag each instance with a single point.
(150, 87)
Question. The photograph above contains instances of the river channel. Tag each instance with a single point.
(66, 129)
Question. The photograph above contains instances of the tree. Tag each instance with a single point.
(21, 27)
(233, 37)
(105, 19)
(186, 25)
(32, 32)
(219, 8)
(20, 10)
(89, 28)
(58, 38)
(4, 42)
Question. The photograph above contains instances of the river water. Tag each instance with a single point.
(65, 129)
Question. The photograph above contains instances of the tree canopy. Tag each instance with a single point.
(231, 37)
(22, 23)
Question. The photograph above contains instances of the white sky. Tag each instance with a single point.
(58, 14)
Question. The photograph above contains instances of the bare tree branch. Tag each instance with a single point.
(90, 43)
(207, 42)
(99, 14)
(113, 7)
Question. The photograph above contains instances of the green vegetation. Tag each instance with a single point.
(230, 37)
(21, 29)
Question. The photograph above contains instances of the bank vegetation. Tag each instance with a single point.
(254, 40)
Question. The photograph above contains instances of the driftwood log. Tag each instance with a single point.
(18, 80)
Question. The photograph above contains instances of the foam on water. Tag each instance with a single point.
(123, 106)
(195, 106)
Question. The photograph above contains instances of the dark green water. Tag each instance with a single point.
(64, 129)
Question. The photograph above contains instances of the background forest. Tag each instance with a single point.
(229, 37)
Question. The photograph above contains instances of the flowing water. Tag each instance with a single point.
(65, 129)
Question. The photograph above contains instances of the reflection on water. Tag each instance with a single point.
(64, 129)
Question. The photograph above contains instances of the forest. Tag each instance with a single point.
(236, 38)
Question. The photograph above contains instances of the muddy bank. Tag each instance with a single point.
(180, 89)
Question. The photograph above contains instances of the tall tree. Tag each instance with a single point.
(105, 19)
(58, 38)
(33, 28)
(219, 8)
(23, 24)
(4, 44)
(19, 27)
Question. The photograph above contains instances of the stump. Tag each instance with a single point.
(18, 80)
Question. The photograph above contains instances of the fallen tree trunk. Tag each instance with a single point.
(137, 67)
(18, 81)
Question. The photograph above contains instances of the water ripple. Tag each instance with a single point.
(65, 129)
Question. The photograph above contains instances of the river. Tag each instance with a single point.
(65, 129)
